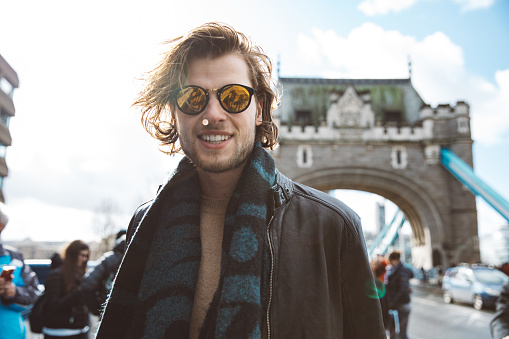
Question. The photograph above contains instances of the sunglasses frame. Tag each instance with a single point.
(250, 90)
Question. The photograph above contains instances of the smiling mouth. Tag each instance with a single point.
(214, 139)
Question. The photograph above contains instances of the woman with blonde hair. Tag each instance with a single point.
(66, 312)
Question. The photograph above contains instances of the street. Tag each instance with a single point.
(431, 318)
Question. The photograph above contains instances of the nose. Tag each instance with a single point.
(214, 113)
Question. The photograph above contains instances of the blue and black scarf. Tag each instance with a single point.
(154, 289)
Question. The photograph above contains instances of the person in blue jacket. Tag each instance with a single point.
(17, 292)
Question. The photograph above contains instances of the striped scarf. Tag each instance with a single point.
(154, 290)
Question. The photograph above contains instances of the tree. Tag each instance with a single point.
(104, 223)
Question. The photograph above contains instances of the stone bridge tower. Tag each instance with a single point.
(379, 136)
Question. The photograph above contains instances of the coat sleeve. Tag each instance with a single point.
(26, 295)
(27, 292)
(108, 264)
(362, 317)
(499, 325)
(94, 281)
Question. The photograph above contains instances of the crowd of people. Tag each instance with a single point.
(71, 292)
(392, 279)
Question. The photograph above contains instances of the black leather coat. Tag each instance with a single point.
(320, 282)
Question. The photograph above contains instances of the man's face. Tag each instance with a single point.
(228, 139)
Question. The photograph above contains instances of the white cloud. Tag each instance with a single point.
(54, 223)
(438, 71)
(491, 121)
(472, 5)
(308, 49)
(366, 48)
(381, 7)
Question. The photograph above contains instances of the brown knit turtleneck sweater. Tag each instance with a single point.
(211, 232)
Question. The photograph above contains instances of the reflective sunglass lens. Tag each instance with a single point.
(191, 100)
(235, 98)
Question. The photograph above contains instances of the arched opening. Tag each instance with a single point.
(384, 226)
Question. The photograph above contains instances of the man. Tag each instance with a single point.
(230, 248)
(17, 291)
(97, 283)
(499, 325)
(398, 293)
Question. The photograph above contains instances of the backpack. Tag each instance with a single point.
(36, 317)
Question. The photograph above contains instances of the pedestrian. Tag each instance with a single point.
(230, 247)
(378, 267)
(97, 283)
(398, 293)
(499, 325)
(18, 287)
(66, 313)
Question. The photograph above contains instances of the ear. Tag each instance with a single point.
(259, 115)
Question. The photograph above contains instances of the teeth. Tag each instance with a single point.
(215, 139)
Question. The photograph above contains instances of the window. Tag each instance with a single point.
(4, 117)
(303, 118)
(3, 149)
(304, 156)
(463, 125)
(6, 87)
(453, 273)
(399, 157)
(392, 117)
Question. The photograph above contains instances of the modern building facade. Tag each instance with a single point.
(8, 83)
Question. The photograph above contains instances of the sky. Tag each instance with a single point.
(78, 144)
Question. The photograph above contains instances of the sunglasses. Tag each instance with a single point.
(233, 98)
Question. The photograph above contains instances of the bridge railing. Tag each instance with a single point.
(387, 235)
(465, 174)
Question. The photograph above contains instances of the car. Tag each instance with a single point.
(473, 284)
(41, 267)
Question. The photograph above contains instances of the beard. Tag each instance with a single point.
(222, 162)
(238, 159)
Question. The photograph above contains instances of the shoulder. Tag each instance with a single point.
(313, 199)
(136, 219)
(54, 275)
(13, 252)
(408, 270)
(142, 209)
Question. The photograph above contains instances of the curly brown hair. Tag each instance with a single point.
(209, 40)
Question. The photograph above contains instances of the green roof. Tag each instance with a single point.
(313, 94)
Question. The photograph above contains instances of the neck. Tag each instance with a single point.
(219, 185)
